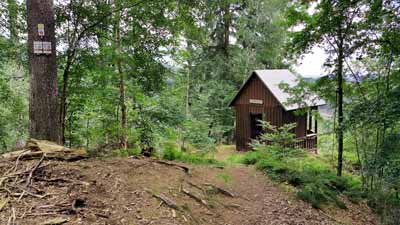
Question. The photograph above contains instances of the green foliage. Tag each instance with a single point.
(13, 105)
(387, 204)
(316, 180)
(172, 152)
(281, 140)
(127, 152)
(371, 84)
(251, 158)
(181, 69)
(196, 133)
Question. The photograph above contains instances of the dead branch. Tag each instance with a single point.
(235, 206)
(56, 221)
(41, 214)
(102, 215)
(61, 180)
(34, 149)
(28, 181)
(3, 203)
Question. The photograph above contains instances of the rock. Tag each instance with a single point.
(20, 144)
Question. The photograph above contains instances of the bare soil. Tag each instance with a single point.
(146, 191)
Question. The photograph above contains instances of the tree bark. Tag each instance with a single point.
(340, 105)
(44, 120)
(124, 138)
(64, 94)
(13, 19)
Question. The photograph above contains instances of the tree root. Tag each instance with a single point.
(184, 168)
(220, 190)
(168, 202)
(197, 198)
(194, 185)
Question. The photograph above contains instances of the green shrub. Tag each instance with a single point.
(318, 194)
(236, 158)
(251, 158)
(136, 151)
(198, 159)
(171, 152)
(386, 204)
(316, 181)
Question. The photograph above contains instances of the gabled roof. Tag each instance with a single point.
(272, 79)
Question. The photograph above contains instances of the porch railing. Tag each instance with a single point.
(307, 142)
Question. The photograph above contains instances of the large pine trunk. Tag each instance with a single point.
(43, 100)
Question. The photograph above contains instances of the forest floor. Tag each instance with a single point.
(150, 191)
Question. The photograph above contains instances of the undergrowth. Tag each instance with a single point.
(315, 180)
(127, 152)
(173, 153)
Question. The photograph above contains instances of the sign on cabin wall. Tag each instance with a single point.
(256, 101)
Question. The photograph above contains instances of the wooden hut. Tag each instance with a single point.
(261, 98)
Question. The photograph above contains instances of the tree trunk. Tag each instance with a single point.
(44, 120)
(64, 96)
(124, 138)
(227, 25)
(87, 133)
(13, 19)
(340, 106)
(187, 107)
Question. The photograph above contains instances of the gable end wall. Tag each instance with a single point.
(271, 109)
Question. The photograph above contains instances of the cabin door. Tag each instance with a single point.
(255, 125)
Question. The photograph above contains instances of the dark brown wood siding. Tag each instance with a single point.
(255, 89)
(271, 109)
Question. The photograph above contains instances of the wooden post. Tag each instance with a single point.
(44, 120)
(316, 137)
(309, 120)
(315, 126)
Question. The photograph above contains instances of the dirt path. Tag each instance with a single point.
(125, 191)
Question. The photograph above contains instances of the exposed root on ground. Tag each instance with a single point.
(167, 163)
(147, 191)
(168, 202)
(196, 198)
(215, 188)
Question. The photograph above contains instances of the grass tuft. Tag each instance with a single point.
(172, 153)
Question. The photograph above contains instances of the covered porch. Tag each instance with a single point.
(310, 140)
